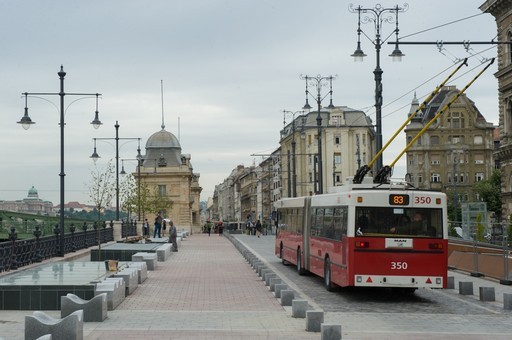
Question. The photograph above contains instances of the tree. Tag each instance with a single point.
(102, 187)
(128, 194)
(489, 191)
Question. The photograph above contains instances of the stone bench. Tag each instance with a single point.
(149, 258)
(115, 289)
(163, 252)
(40, 324)
(131, 279)
(95, 309)
(142, 270)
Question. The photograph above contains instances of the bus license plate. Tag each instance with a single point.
(398, 242)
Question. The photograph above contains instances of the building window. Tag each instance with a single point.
(434, 140)
(162, 190)
(435, 177)
(478, 140)
(337, 140)
(449, 177)
(420, 178)
(479, 176)
(410, 160)
(338, 178)
(435, 160)
(457, 120)
(509, 38)
(479, 159)
(337, 158)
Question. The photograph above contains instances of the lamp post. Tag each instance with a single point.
(95, 157)
(139, 161)
(294, 163)
(378, 15)
(26, 122)
(319, 82)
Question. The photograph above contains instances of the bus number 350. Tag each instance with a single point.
(399, 265)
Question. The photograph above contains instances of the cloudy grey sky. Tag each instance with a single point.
(229, 68)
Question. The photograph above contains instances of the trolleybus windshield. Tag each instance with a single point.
(393, 221)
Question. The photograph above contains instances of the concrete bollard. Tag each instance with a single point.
(261, 269)
(268, 276)
(279, 288)
(299, 308)
(507, 301)
(450, 283)
(287, 296)
(314, 320)
(487, 294)
(273, 282)
(264, 272)
(330, 332)
(466, 288)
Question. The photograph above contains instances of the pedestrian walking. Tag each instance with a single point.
(173, 234)
(221, 228)
(258, 228)
(158, 225)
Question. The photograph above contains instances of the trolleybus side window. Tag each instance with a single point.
(329, 222)
(340, 222)
(290, 220)
(317, 221)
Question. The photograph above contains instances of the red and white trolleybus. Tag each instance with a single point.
(367, 234)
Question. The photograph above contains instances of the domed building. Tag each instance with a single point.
(32, 204)
(168, 173)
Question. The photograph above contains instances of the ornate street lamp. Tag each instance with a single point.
(319, 82)
(95, 157)
(378, 15)
(26, 122)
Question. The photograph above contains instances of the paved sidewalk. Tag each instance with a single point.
(207, 290)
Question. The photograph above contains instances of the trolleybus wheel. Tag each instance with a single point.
(327, 275)
(300, 270)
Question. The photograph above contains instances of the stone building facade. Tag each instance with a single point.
(31, 204)
(502, 11)
(455, 152)
(169, 173)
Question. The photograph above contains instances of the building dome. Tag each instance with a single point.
(32, 191)
(162, 149)
(162, 139)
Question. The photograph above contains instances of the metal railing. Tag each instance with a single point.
(16, 253)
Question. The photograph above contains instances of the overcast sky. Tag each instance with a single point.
(229, 68)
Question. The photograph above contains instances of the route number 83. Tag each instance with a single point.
(399, 265)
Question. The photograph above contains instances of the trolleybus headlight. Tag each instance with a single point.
(438, 280)
(362, 244)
